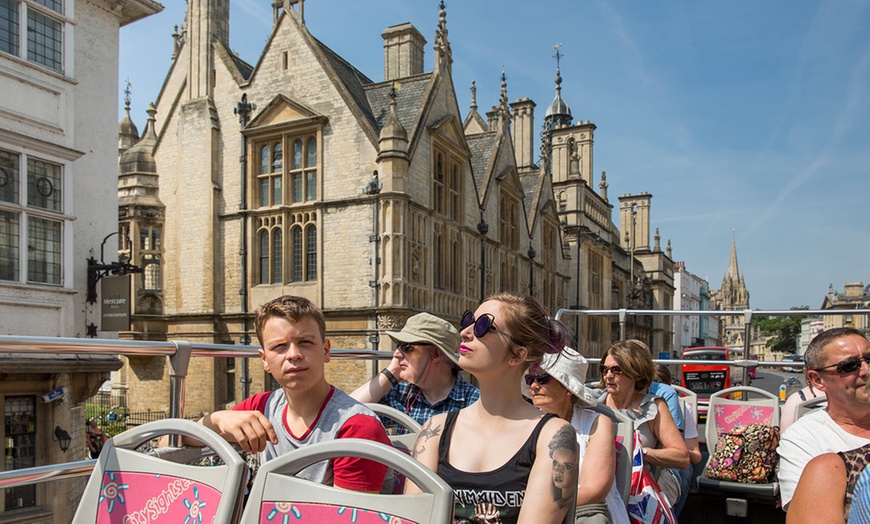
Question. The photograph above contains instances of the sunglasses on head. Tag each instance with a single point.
(482, 325)
(542, 379)
(616, 370)
(850, 365)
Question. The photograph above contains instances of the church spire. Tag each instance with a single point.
(733, 273)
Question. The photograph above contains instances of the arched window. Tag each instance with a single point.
(277, 258)
(264, 160)
(439, 262)
(439, 183)
(270, 180)
(296, 171)
(311, 253)
(296, 246)
(297, 154)
(264, 256)
(151, 273)
(277, 158)
(311, 170)
(455, 280)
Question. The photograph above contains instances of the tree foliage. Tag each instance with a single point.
(784, 330)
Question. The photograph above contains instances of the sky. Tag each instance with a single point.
(744, 119)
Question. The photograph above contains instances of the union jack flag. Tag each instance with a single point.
(646, 503)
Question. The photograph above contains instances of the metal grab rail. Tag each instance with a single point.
(747, 314)
(24, 477)
(179, 353)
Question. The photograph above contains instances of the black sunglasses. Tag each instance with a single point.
(542, 380)
(406, 348)
(482, 325)
(850, 365)
(616, 370)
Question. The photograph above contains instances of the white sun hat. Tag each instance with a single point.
(569, 368)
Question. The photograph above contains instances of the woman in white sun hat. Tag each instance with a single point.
(556, 386)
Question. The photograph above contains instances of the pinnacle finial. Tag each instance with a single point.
(503, 100)
(558, 56)
(127, 92)
(473, 95)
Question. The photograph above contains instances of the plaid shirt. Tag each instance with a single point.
(408, 398)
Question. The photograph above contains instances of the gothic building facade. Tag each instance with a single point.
(375, 199)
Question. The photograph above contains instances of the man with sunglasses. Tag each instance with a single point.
(837, 363)
(422, 379)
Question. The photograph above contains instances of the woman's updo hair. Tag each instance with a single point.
(635, 360)
(527, 322)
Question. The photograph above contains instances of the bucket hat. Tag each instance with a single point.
(429, 329)
(568, 367)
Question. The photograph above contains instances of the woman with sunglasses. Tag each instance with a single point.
(627, 372)
(556, 385)
(503, 457)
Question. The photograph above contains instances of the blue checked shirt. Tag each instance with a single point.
(408, 398)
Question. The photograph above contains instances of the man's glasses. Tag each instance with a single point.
(616, 370)
(482, 325)
(850, 365)
(406, 348)
(542, 379)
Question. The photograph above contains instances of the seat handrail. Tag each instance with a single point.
(397, 416)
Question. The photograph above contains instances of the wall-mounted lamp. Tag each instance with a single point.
(62, 438)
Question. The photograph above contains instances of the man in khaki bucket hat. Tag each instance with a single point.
(423, 378)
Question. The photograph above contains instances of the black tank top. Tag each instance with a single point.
(479, 497)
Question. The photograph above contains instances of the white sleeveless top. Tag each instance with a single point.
(582, 421)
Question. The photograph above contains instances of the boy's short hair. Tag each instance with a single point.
(290, 308)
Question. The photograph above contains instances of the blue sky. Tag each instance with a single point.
(751, 117)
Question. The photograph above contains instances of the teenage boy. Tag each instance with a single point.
(306, 409)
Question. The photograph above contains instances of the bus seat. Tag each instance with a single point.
(402, 442)
(277, 493)
(754, 406)
(623, 428)
(691, 397)
(809, 405)
(127, 485)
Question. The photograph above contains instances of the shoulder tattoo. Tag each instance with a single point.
(428, 432)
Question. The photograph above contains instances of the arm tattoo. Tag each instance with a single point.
(423, 437)
(563, 451)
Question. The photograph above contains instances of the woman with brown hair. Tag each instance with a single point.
(627, 372)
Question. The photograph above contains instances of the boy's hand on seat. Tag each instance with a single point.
(250, 429)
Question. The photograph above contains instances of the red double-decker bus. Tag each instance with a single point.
(706, 379)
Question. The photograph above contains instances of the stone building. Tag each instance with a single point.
(855, 295)
(692, 293)
(58, 78)
(375, 199)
